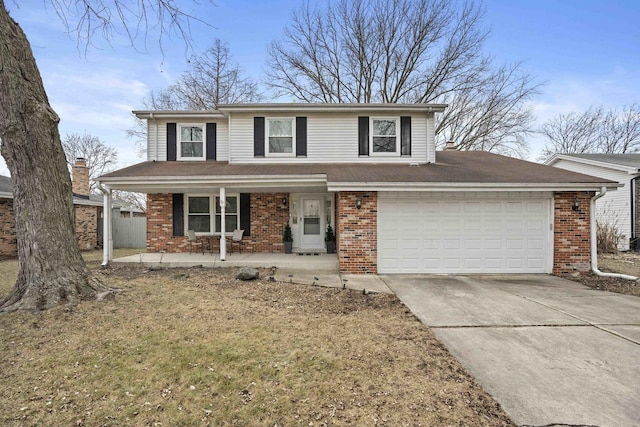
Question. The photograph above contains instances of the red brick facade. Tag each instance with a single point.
(572, 233)
(86, 227)
(8, 245)
(86, 223)
(357, 232)
(356, 229)
(268, 218)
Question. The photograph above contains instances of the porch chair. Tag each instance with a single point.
(194, 241)
(237, 239)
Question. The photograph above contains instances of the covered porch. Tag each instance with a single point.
(312, 263)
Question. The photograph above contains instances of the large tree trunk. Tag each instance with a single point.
(52, 271)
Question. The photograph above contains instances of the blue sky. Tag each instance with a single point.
(587, 53)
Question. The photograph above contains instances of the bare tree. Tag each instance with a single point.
(131, 200)
(212, 78)
(406, 51)
(100, 158)
(51, 268)
(596, 130)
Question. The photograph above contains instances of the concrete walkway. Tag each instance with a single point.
(551, 351)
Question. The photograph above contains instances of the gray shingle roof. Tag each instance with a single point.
(7, 187)
(628, 159)
(5, 184)
(450, 167)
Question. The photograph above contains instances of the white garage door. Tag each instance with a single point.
(464, 233)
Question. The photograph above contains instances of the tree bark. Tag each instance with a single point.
(51, 269)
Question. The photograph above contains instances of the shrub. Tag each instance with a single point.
(608, 237)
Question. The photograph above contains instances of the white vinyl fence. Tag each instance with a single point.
(129, 232)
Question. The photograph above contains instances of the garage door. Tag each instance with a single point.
(464, 233)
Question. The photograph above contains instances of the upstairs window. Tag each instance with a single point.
(384, 136)
(191, 142)
(280, 136)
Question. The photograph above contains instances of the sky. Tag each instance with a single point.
(586, 53)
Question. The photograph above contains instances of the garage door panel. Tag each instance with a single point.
(419, 233)
(473, 244)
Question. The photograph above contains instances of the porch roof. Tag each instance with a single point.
(453, 170)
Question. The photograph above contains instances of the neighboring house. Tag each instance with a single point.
(369, 170)
(620, 208)
(87, 210)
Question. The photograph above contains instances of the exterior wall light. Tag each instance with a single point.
(576, 205)
(358, 203)
(284, 201)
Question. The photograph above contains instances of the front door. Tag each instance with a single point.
(312, 223)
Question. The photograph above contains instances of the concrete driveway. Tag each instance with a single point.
(550, 350)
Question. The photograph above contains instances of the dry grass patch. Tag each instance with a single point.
(197, 347)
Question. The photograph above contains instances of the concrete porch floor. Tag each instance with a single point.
(319, 270)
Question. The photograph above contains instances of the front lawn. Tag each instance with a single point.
(197, 347)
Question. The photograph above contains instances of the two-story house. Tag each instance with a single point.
(369, 170)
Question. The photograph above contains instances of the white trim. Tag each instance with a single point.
(556, 157)
(267, 127)
(334, 107)
(179, 157)
(395, 153)
(455, 186)
(177, 114)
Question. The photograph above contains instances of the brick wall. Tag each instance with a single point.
(357, 232)
(268, 218)
(572, 233)
(8, 245)
(160, 226)
(86, 222)
(86, 227)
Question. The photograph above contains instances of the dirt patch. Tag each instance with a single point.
(623, 263)
(197, 347)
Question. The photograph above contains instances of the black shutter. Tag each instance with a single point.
(171, 141)
(405, 135)
(258, 136)
(178, 215)
(363, 136)
(211, 141)
(245, 213)
(301, 136)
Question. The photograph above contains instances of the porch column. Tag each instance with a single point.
(223, 237)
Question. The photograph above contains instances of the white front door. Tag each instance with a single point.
(312, 222)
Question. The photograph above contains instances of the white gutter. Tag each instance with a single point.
(594, 241)
(107, 238)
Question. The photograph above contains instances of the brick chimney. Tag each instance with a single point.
(80, 177)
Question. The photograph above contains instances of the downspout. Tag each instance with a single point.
(594, 241)
(107, 238)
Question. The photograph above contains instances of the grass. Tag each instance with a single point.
(197, 347)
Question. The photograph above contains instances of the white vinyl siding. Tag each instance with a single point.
(615, 206)
(331, 138)
(158, 152)
(464, 233)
